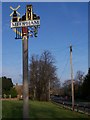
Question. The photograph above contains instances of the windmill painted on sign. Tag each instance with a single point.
(15, 18)
(15, 15)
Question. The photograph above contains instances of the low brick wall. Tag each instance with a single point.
(9, 99)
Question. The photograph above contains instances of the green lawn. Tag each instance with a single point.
(13, 109)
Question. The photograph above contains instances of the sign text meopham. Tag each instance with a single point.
(25, 23)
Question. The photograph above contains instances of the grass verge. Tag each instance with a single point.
(14, 109)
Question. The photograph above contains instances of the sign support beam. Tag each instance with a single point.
(25, 77)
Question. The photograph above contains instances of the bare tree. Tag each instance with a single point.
(79, 76)
(42, 76)
(33, 76)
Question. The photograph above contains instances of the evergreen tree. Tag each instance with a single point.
(86, 86)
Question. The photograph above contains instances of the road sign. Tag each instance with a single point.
(29, 23)
(20, 26)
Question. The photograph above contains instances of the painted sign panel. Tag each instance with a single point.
(25, 23)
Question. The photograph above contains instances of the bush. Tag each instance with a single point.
(13, 92)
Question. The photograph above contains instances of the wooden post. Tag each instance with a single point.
(25, 75)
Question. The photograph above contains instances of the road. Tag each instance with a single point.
(83, 107)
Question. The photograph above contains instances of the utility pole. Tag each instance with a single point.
(24, 27)
(72, 84)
